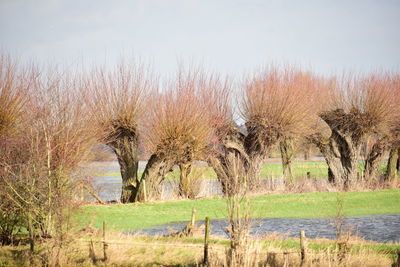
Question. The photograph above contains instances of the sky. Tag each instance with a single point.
(228, 36)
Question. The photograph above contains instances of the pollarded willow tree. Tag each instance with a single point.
(274, 107)
(386, 140)
(117, 99)
(355, 107)
(177, 130)
(170, 124)
(302, 86)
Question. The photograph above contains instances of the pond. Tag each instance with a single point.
(377, 228)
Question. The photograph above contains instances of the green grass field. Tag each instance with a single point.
(308, 205)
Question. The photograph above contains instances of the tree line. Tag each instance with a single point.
(50, 118)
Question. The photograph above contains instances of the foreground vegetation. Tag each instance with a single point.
(307, 205)
(157, 251)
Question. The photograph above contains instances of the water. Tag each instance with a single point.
(108, 186)
(106, 180)
(377, 228)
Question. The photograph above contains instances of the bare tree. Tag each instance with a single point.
(117, 100)
(170, 124)
(177, 131)
(356, 107)
(274, 108)
(394, 133)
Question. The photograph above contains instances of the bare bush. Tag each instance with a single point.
(48, 146)
(13, 96)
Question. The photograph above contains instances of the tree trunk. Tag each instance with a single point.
(286, 146)
(373, 159)
(185, 185)
(341, 155)
(254, 172)
(126, 149)
(391, 171)
(331, 177)
(307, 151)
(150, 185)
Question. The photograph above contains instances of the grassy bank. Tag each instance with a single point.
(153, 251)
(307, 205)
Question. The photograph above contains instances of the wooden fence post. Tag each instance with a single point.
(303, 246)
(193, 222)
(92, 254)
(206, 236)
(105, 245)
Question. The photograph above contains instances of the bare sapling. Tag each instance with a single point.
(343, 231)
(243, 250)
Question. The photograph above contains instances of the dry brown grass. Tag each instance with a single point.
(124, 250)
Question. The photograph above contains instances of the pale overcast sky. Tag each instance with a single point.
(230, 36)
